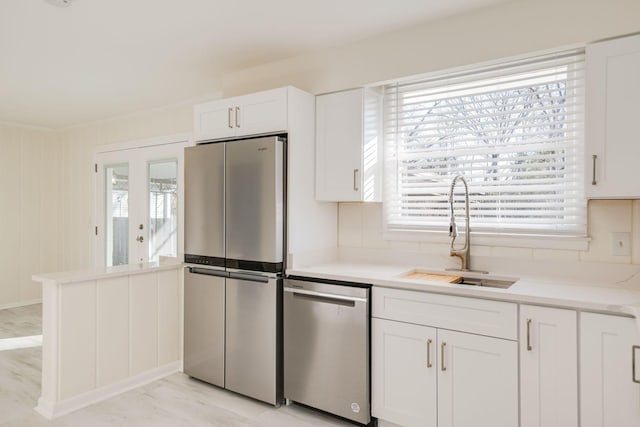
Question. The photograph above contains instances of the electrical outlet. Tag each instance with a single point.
(621, 244)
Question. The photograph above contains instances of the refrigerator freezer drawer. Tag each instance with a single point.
(254, 344)
(204, 297)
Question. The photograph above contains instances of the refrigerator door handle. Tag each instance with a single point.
(207, 272)
(249, 277)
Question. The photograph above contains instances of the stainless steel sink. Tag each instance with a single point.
(451, 277)
(489, 283)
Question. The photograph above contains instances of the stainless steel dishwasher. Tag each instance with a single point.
(326, 347)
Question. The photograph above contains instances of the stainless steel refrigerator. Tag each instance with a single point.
(234, 251)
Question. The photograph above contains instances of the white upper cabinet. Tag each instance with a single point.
(548, 367)
(609, 383)
(612, 112)
(348, 146)
(257, 113)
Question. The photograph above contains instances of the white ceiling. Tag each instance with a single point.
(102, 58)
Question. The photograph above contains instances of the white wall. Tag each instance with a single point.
(509, 29)
(29, 210)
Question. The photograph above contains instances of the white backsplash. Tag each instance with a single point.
(360, 237)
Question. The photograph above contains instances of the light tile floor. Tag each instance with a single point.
(174, 401)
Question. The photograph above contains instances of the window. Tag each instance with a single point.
(514, 131)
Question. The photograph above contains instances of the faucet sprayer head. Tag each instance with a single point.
(453, 228)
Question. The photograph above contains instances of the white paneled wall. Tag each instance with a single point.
(108, 334)
(29, 211)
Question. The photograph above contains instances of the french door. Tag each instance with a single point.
(138, 203)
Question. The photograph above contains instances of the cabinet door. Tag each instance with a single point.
(613, 90)
(404, 373)
(257, 113)
(348, 146)
(548, 367)
(339, 118)
(214, 120)
(261, 112)
(609, 396)
(477, 381)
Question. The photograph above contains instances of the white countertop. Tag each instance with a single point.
(526, 290)
(76, 276)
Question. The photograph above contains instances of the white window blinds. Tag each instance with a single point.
(514, 131)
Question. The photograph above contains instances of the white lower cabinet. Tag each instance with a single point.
(449, 361)
(548, 367)
(477, 381)
(609, 393)
(423, 376)
(404, 373)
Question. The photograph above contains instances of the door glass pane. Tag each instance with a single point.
(117, 214)
(163, 209)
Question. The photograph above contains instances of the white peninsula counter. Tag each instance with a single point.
(106, 331)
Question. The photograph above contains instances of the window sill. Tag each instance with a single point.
(487, 239)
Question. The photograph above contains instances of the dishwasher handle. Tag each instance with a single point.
(324, 295)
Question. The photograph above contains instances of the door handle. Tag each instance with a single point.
(529, 348)
(140, 239)
(594, 157)
(207, 272)
(229, 112)
(633, 363)
(355, 180)
(429, 354)
(248, 277)
(444, 344)
(237, 117)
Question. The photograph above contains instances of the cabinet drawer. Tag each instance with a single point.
(492, 318)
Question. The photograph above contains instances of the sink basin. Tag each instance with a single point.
(489, 283)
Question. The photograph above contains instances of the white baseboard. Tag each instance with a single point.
(21, 303)
(52, 410)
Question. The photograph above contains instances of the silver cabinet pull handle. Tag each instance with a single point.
(355, 180)
(529, 348)
(237, 117)
(593, 176)
(444, 344)
(633, 363)
(229, 112)
(429, 354)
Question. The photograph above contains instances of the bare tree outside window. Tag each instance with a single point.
(517, 139)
